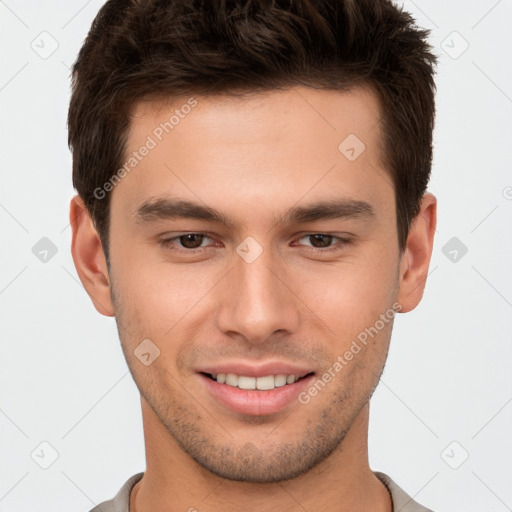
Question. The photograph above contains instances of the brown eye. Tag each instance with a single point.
(323, 243)
(187, 243)
(320, 240)
(191, 241)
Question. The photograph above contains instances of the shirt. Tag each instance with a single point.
(402, 502)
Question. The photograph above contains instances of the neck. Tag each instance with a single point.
(173, 481)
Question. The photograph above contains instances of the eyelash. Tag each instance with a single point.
(167, 243)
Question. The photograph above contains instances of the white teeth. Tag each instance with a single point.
(265, 383)
(232, 380)
(246, 382)
(280, 380)
(249, 383)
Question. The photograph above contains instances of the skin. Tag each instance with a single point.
(252, 158)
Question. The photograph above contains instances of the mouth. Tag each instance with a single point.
(264, 383)
(256, 395)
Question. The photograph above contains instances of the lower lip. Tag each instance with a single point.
(256, 403)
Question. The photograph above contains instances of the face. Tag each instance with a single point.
(246, 242)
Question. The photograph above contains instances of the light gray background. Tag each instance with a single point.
(63, 377)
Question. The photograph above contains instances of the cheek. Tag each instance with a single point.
(159, 297)
(351, 295)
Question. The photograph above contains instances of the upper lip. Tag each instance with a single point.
(256, 370)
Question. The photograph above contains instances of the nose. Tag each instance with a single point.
(257, 301)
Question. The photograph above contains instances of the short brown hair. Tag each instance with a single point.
(163, 48)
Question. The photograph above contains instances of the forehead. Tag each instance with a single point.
(267, 148)
(257, 116)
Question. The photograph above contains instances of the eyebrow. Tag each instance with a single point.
(168, 209)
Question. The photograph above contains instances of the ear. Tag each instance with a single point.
(89, 258)
(416, 257)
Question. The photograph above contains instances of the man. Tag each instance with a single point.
(252, 209)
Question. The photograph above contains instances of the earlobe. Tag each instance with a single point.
(89, 258)
(416, 257)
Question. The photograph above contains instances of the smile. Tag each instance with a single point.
(255, 395)
(255, 383)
